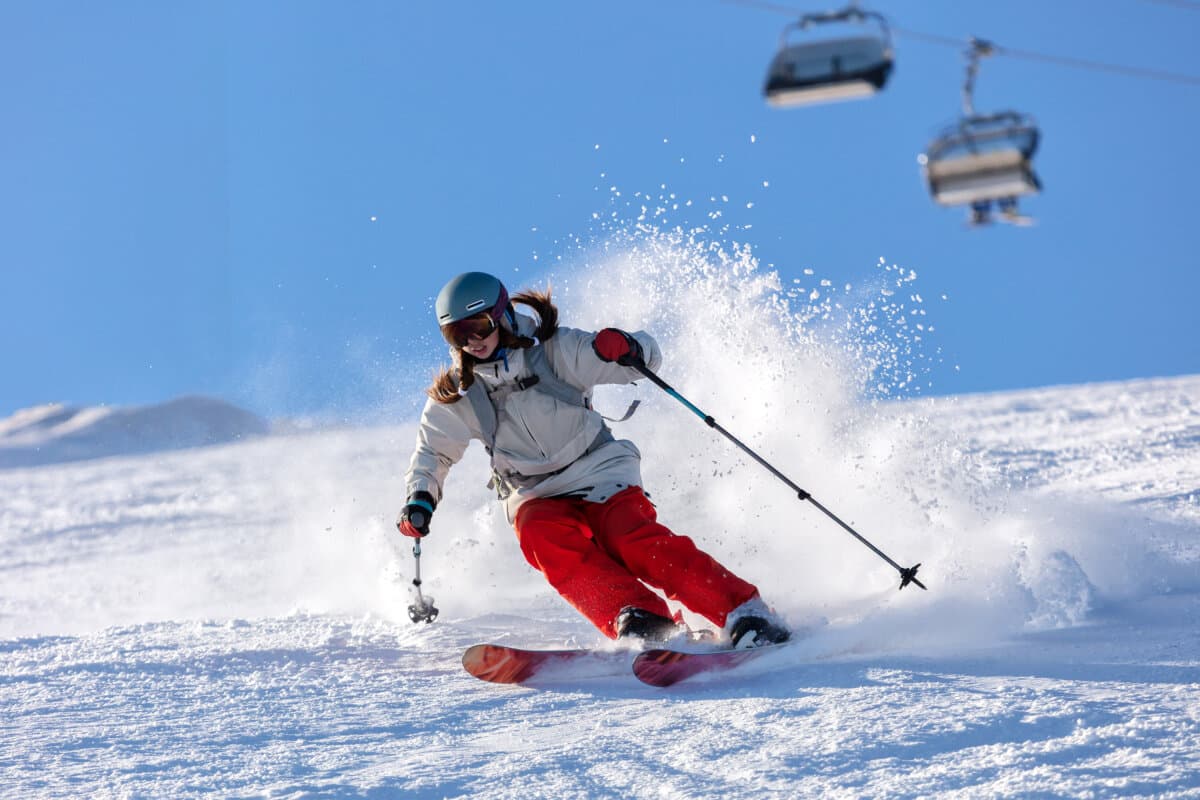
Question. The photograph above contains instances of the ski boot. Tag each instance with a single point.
(646, 625)
(753, 624)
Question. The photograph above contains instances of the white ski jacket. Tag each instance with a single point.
(544, 447)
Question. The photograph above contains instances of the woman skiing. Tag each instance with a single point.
(572, 491)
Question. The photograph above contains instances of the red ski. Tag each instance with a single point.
(666, 667)
(499, 663)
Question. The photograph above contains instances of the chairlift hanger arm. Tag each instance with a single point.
(976, 49)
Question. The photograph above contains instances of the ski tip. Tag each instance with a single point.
(495, 664)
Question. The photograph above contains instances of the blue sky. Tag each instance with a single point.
(258, 200)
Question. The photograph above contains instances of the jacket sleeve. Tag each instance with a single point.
(442, 438)
(577, 363)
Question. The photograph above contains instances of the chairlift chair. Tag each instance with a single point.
(982, 159)
(826, 70)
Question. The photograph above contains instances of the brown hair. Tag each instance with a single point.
(449, 381)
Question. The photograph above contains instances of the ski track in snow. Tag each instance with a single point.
(230, 621)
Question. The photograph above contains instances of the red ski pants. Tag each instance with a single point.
(602, 556)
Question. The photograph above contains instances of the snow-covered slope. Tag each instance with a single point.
(231, 621)
(55, 433)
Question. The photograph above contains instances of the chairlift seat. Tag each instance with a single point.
(828, 70)
(975, 178)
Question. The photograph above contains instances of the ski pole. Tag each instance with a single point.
(907, 574)
(423, 610)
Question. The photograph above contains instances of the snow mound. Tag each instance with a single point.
(56, 433)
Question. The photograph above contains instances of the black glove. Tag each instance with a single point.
(613, 344)
(415, 516)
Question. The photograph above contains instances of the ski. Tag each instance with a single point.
(497, 663)
(662, 667)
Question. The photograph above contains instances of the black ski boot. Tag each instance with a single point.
(754, 624)
(646, 625)
(751, 631)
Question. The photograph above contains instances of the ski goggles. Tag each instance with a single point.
(462, 332)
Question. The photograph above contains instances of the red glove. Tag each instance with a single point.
(616, 345)
(405, 526)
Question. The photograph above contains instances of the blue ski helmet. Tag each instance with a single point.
(469, 295)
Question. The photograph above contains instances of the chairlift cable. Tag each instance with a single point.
(1000, 50)
(1066, 61)
(1100, 66)
(932, 38)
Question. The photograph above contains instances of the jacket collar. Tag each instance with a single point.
(507, 365)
